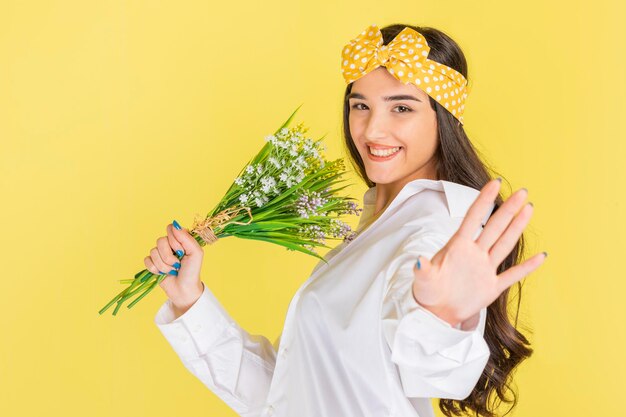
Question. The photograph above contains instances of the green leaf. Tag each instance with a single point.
(266, 225)
(282, 236)
(287, 245)
(289, 119)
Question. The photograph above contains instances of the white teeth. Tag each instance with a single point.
(384, 152)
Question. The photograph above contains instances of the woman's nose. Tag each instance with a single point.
(376, 126)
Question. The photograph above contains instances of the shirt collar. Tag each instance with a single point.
(459, 197)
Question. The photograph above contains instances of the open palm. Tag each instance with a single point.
(462, 277)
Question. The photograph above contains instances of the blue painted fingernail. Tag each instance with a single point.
(162, 273)
(180, 253)
(177, 265)
(174, 272)
(176, 225)
(419, 264)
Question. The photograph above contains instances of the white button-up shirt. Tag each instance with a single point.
(355, 342)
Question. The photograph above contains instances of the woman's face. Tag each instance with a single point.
(402, 127)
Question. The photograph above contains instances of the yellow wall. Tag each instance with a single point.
(117, 117)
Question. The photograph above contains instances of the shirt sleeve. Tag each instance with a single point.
(434, 359)
(235, 365)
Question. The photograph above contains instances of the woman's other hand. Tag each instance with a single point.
(462, 277)
(179, 256)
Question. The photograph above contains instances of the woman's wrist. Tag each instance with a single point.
(441, 313)
(180, 305)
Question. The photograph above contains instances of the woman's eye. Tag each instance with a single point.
(404, 107)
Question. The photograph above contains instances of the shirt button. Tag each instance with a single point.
(284, 353)
(270, 410)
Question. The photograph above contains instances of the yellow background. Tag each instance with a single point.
(117, 117)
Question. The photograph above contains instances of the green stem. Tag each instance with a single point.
(144, 294)
(121, 294)
(135, 291)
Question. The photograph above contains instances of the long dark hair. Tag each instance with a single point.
(458, 161)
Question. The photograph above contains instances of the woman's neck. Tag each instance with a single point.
(386, 193)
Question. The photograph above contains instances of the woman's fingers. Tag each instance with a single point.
(500, 220)
(147, 261)
(517, 272)
(176, 246)
(189, 243)
(506, 242)
(479, 209)
(166, 252)
(159, 253)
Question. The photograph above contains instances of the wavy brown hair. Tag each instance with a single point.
(458, 161)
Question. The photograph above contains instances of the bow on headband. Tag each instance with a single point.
(406, 58)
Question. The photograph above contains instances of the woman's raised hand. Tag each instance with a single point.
(179, 256)
(462, 277)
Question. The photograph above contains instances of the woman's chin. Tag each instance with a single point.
(381, 177)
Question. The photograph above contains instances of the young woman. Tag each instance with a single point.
(414, 307)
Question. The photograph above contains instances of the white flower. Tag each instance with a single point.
(260, 201)
(295, 168)
(243, 198)
(273, 161)
(249, 169)
(301, 161)
(268, 183)
(239, 181)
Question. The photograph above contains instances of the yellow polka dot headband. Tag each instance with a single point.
(406, 58)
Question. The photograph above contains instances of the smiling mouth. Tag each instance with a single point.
(384, 152)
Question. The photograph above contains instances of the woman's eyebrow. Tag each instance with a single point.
(388, 98)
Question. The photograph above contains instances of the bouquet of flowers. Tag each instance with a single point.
(285, 195)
